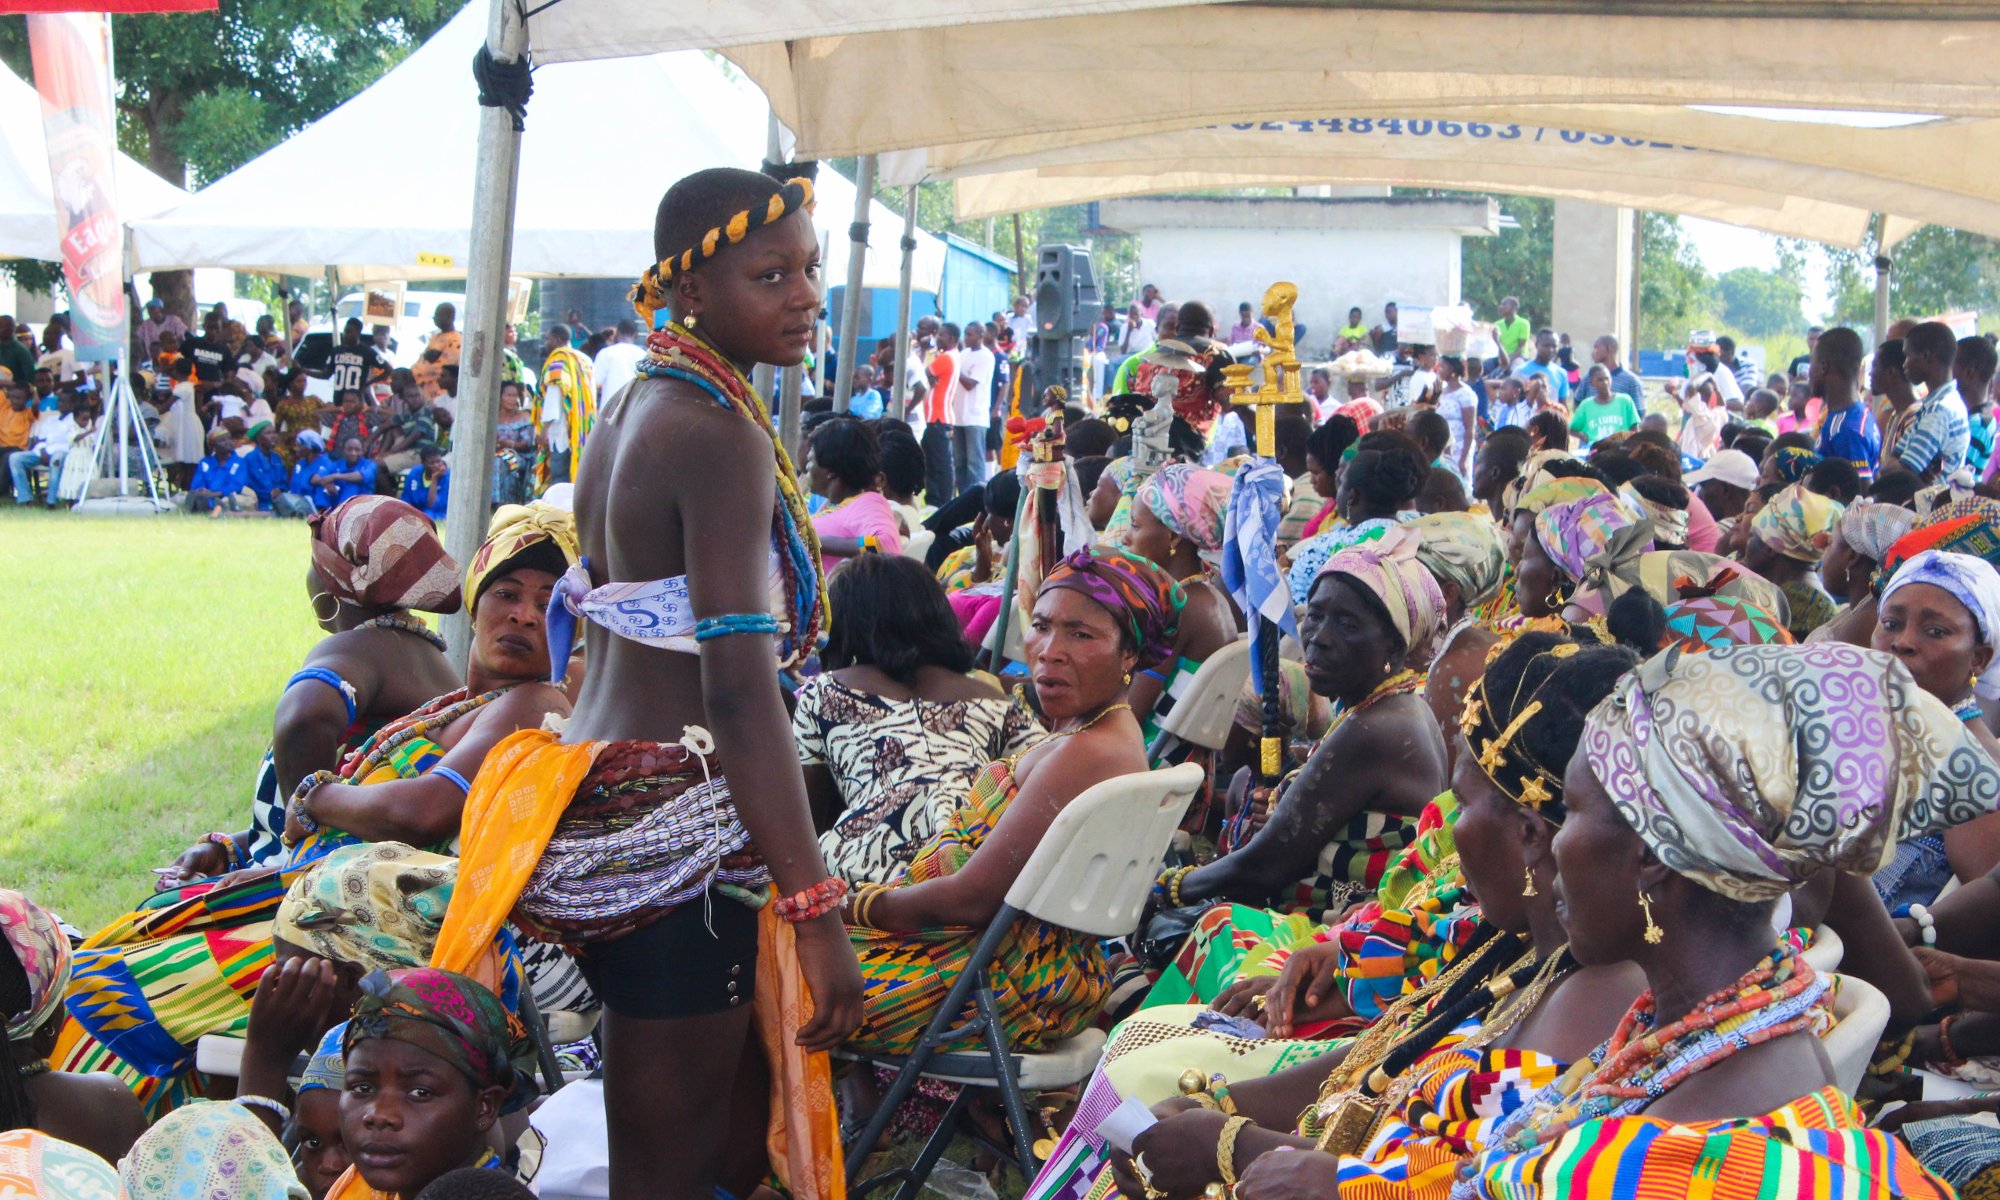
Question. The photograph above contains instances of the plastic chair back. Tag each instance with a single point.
(1096, 864)
(1205, 714)
(1861, 1013)
(918, 544)
(1825, 951)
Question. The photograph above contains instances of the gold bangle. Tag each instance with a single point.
(865, 903)
(1225, 1150)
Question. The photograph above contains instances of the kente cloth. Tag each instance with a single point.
(1870, 529)
(1670, 575)
(514, 530)
(1464, 551)
(1192, 503)
(1748, 768)
(378, 552)
(568, 374)
(1972, 582)
(43, 950)
(518, 813)
(1141, 597)
(1967, 526)
(1590, 540)
(453, 1017)
(209, 1151)
(376, 905)
(1390, 569)
(327, 1068)
(1794, 463)
(1797, 522)
(1049, 982)
(1817, 1145)
(33, 1164)
(407, 761)
(1702, 623)
(1965, 1154)
(1670, 524)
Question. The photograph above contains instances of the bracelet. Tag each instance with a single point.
(1926, 923)
(709, 628)
(464, 787)
(1169, 885)
(1951, 1059)
(297, 809)
(1225, 1150)
(277, 1108)
(865, 896)
(870, 542)
(236, 856)
(816, 901)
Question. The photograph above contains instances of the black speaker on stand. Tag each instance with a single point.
(1065, 306)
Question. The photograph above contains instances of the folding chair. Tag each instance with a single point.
(1206, 709)
(1091, 874)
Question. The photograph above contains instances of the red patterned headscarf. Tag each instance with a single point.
(378, 552)
(1144, 599)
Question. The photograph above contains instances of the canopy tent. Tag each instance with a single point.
(590, 181)
(27, 197)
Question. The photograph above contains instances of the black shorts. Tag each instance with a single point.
(700, 958)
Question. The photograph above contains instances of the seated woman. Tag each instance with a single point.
(844, 464)
(94, 1111)
(1177, 523)
(1702, 794)
(1861, 539)
(1573, 545)
(1464, 554)
(896, 730)
(1099, 616)
(973, 575)
(1376, 486)
(1787, 537)
(208, 1150)
(374, 559)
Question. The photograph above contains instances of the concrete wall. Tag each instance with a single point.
(1592, 275)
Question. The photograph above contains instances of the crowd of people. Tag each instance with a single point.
(1617, 773)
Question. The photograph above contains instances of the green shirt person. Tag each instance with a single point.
(1512, 330)
(1605, 412)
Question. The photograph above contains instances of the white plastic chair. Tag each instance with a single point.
(918, 544)
(1826, 951)
(1205, 714)
(1091, 873)
(1860, 1014)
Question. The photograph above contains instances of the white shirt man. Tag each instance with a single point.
(618, 363)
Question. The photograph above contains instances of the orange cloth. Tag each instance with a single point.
(809, 1167)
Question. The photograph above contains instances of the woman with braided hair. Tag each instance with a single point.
(637, 836)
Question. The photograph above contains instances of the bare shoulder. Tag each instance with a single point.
(1066, 767)
(525, 706)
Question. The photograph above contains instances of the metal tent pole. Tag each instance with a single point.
(1884, 267)
(901, 383)
(850, 301)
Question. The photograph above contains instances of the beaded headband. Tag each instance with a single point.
(649, 295)
(1520, 777)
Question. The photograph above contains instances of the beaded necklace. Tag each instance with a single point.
(430, 716)
(405, 623)
(675, 352)
(1968, 709)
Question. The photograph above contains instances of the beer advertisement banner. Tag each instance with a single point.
(72, 57)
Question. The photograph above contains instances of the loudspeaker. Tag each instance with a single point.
(1065, 306)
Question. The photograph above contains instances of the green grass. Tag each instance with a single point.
(142, 661)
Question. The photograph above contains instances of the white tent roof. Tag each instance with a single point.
(27, 198)
(603, 143)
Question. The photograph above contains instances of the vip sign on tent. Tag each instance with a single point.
(72, 55)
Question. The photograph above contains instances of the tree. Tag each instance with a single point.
(1673, 284)
(1936, 270)
(1517, 262)
(1761, 302)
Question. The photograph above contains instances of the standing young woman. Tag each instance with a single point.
(636, 834)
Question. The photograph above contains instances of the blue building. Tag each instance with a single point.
(977, 282)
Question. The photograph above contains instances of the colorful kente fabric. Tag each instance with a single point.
(1048, 982)
(1704, 622)
(1810, 604)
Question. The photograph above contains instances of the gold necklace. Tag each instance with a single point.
(1059, 734)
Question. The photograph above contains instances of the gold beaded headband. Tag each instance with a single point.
(649, 295)
(1522, 779)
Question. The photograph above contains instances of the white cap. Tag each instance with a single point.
(1732, 467)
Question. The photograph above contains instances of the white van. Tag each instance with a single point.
(413, 327)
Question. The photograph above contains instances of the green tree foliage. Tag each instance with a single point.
(1674, 287)
(1514, 262)
(1760, 302)
(1936, 270)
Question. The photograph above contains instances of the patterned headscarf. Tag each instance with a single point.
(1797, 523)
(38, 942)
(1701, 623)
(327, 1068)
(1968, 526)
(1556, 491)
(517, 529)
(1670, 524)
(1192, 503)
(1748, 768)
(379, 552)
(1390, 570)
(1670, 575)
(1794, 463)
(452, 1017)
(1464, 551)
(209, 1151)
(1973, 583)
(1590, 539)
(377, 905)
(1535, 475)
(34, 1164)
(1870, 529)
(1176, 371)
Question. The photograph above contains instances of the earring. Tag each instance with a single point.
(1553, 601)
(1528, 882)
(1128, 679)
(328, 616)
(689, 323)
(1972, 682)
(1654, 934)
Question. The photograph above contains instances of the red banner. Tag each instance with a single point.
(106, 6)
(72, 57)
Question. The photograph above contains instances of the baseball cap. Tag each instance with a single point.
(1732, 467)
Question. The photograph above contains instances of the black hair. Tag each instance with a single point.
(1331, 439)
(1978, 353)
(1896, 485)
(902, 462)
(1841, 350)
(1089, 470)
(1570, 468)
(1769, 491)
(1194, 320)
(889, 613)
(1726, 344)
(1184, 442)
(1933, 338)
(1292, 430)
(1889, 353)
(1443, 491)
(1511, 441)
(1835, 478)
(1802, 441)
(1567, 689)
(1430, 429)
(1088, 438)
(17, 997)
(703, 201)
(1552, 427)
(1616, 466)
(1756, 445)
(475, 1183)
(1664, 461)
(1003, 495)
(1387, 472)
(1636, 620)
(848, 448)
(1661, 490)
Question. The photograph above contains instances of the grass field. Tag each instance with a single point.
(142, 662)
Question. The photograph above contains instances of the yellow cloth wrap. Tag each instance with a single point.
(514, 528)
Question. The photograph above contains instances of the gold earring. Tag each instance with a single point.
(1528, 882)
(1128, 678)
(1972, 682)
(1654, 934)
(689, 323)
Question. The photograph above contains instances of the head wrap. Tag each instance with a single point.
(1748, 768)
(256, 429)
(311, 439)
(1464, 551)
(1968, 526)
(209, 1151)
(1670, 575)
(1492, 726)
(378, 552)
(514, 530)
(1870, 529)
(1545, 496)
(1670, 524)
(452, 1017)
(34, 1164)
(1535, 473)
(1972, 582)
(38, 943)
(327, 1068)
(1144, 599)
(1590, 539)
(1701, 623)
(1191, 503)
(1794, 463)
(1796, 522)
(1388, 568)
(651, 293)
(1118, 471)
(378, 905)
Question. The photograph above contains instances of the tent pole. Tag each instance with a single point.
(493, 197)
(1883, 268)
(850, 301)
(761, 376)
(899, 386)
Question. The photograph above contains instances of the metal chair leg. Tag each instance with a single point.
(1010, 1085)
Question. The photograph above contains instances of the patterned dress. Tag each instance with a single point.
(1050, 982)
(902, 766)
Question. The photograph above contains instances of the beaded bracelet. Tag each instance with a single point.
(464, 787)
(1926, 923)
(236, 856)
(297, 809)
(816, 901)
(1951, 1056)
(714, 627)
(275, 1107)
(1168, 886)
